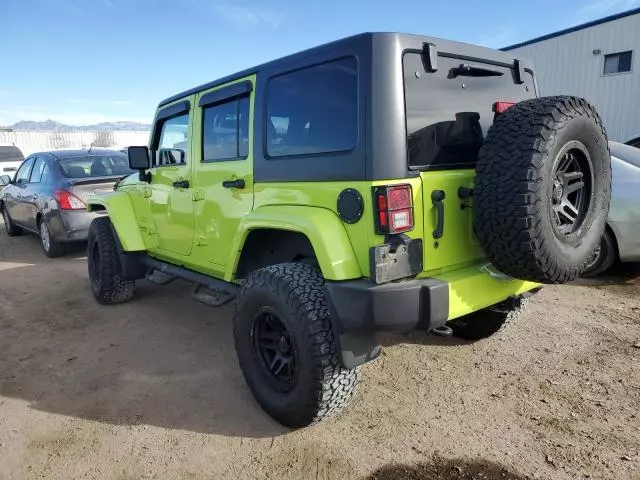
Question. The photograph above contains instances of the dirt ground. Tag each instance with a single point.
(152, 389)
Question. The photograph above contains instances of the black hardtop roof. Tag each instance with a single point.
(348, 43)
(80, 152)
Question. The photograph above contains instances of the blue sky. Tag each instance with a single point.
(87, 61)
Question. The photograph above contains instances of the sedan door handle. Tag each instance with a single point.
(181, 184)
(239, 183)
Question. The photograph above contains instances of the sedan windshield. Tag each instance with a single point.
(95, 166)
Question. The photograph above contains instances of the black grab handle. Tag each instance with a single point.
(181, 184)
(239, 183)
(437, 197)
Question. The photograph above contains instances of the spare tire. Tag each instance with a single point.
(543, 185)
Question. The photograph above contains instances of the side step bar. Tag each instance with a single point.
(169, 272)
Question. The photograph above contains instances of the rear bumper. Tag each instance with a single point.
(72, 225)
(363, 306)
(360, 308)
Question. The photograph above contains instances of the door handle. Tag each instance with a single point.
(181, 184)
(239, 183)
(437, 197)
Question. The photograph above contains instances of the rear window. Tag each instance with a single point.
(449, 112)
(10, 154)
(313, 110)
(95, 166)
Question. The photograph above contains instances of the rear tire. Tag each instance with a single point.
(105, 270)
(51, 247)
(542, 190)
(604, 257)
(12, 229)
(282, 310)
(485, 323)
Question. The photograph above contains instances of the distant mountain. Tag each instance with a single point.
(61, 127)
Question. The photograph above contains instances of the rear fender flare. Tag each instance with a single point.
(321, 226)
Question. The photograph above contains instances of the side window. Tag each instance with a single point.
(173, 145)
(22, 176)
(38, 169)
(617, 63)
(225, 130)
(46, 174)
(313, 110)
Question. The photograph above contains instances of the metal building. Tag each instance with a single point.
(599, 61)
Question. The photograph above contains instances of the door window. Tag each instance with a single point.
(225, 130)
(38, 169)
(25, 170)
(173, 145)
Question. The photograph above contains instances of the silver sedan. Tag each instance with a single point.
(621, 240)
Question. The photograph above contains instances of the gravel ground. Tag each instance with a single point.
(152, 389)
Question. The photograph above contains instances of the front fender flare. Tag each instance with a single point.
(321, 226)
(118, 206)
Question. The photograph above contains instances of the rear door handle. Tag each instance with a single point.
(181, 184)
(239, 183)
(437, 197)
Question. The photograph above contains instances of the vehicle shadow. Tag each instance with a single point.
(418, 337)
(446, 469)
(162, 359)
(621, 274)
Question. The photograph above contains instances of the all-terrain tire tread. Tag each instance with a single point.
(302, 287)
(508, 192)
(114, 288)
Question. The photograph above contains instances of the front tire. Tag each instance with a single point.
(287, 348)
(485, 323)
(52, 248)
(12, 229)
(105, 270)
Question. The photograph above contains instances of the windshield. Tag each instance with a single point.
(95, 166)
(449, 111)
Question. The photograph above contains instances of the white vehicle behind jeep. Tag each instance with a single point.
(11, 158)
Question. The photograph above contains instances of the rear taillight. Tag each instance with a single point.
(68, 201)
(501, 107)
(394, 208)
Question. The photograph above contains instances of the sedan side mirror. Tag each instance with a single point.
(139, 159)
(5, 180)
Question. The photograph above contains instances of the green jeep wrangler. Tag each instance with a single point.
(381, 182)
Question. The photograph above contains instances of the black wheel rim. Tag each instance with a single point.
(595, 258)
(571, 189)
(96, 268)
(275, 349)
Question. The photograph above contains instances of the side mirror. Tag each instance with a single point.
(140, 160)
(5, 180)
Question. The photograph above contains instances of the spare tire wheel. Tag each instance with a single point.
(543, 185)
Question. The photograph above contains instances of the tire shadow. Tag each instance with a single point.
(446, 469)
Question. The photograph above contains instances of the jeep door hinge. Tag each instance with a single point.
(197, 195)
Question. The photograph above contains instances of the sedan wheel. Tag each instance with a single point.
(52, 248)
(12, 229)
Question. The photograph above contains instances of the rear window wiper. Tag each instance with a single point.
(466, 70)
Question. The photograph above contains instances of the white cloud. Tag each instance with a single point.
(248, 16)
(82, 101)
(601, 8)
(500, 36)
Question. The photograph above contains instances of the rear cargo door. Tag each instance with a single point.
(448, 114)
